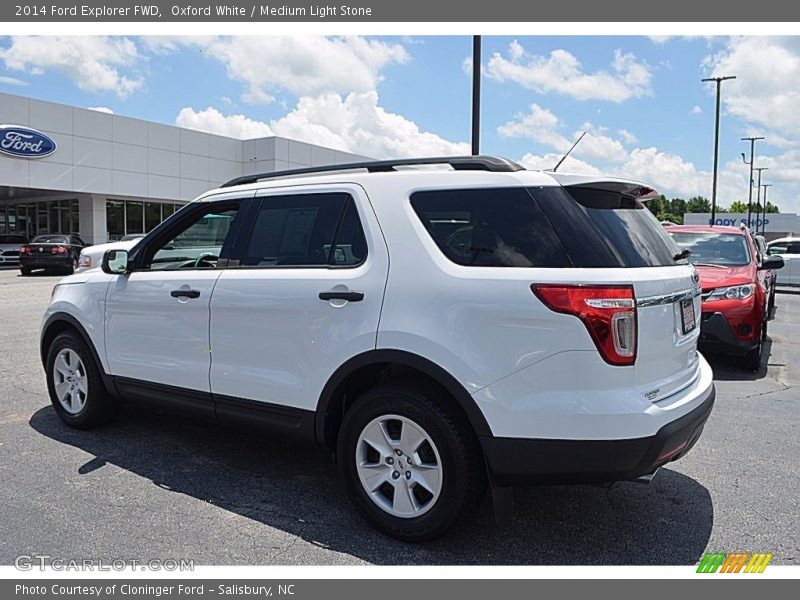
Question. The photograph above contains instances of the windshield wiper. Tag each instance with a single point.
(682, 254)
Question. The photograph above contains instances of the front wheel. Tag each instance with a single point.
(752, 360)
(411, 466)
(75, 385)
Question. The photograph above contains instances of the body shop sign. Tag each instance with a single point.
(24, 142)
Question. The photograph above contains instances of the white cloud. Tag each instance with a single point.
(355, 123)
(548, 161)
(626, 136)
(696, 111)
(94, 63)
(211, 120)
(102, 109)
(12, 81)
(302, 65)
(562, 72)
(765, 91)
(542, 126)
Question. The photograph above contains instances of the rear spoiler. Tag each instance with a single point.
(626, 187)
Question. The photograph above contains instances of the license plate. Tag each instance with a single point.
(688, 321)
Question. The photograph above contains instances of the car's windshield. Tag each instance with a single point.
(711, 248)
(50, 239)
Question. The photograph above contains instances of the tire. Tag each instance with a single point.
(25, 270)
(752, 360)
(85, 404)
(449, 452)
(71, 268)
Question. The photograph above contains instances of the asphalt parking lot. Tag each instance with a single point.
(154, 487)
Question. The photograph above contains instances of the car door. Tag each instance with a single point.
(305, 298)
(156, 324)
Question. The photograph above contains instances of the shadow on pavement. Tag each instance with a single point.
(296, 489)
(727, 368)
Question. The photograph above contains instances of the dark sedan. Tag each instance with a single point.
(53, 252)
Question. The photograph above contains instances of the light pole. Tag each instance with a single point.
(476, 94)
(764, 218)
(758, 195)
(750, 185)
(719, 81)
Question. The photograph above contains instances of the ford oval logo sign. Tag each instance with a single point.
(25, 142)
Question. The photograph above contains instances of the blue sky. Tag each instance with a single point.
(641, 99)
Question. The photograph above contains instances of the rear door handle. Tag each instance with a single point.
(185, 293)
(349, 296)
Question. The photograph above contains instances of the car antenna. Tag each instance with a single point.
(563, 158)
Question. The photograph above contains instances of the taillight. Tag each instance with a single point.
(58, 250)
(25, 249)
(607, 311)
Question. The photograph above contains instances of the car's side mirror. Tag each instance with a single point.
(115, 262)
(772, 263)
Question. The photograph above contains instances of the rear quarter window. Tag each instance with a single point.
(494, 227)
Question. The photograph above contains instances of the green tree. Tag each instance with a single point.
(738, 207)
(677, 206)
(698, 204)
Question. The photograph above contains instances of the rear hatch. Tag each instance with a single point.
(606, 228)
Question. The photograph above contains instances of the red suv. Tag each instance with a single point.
(735, 289)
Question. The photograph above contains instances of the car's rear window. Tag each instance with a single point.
(543, 227)
(725, 249)
(50, 239)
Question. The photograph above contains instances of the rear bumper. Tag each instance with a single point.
(520, 461)
(45, 262)
(717, 335)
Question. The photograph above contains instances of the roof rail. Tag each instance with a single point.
(458, 163)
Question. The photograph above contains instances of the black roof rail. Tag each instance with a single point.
(458, 163)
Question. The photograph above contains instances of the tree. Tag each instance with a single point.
(677, 206)
(738, 207)
(698, 204)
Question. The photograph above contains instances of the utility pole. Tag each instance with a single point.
(476, 95)
(750, 185)
(719, 81)
(764, 218)
(758, 195)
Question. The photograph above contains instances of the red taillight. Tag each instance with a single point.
(25, 249)
(58, 250)
(608, 311)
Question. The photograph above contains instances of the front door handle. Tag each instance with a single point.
(185, 293)
(349, 296)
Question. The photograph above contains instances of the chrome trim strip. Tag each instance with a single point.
(667, 298)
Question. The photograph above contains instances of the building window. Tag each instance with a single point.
(115, 219)
(134, 217)
(152, 215)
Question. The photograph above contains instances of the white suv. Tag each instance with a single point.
(439, 329)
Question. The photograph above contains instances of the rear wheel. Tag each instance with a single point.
(25, 270)
(73, 265)
(411, 467)
(75, 385)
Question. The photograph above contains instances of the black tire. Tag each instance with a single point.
(98, 408)
(752, 360)
(463, 473)
(25, 270)
(72, 266)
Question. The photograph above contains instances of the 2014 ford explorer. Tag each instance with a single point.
(440, 330)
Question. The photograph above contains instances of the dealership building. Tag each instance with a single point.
(65, 169)
(774, 225)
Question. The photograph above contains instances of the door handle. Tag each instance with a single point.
(349, 296)
(185, 293)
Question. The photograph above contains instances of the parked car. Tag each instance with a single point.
(770, 275)
(53, 252)
(451, 371)
(10, 246)
(92, 256)
(788, 248)
(735, 290)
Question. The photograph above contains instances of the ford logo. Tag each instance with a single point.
(25, 142)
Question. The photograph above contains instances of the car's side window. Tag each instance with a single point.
(195, 242)
(794, 248)
(306, 230)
